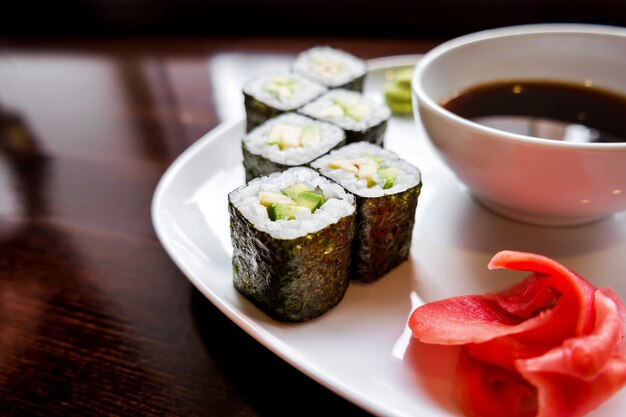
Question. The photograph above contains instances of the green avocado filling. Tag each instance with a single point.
(326, 67)
(287, 136)
(282, 88)
(398, 92)
(346, 106)
(295, 199)
(370, 168)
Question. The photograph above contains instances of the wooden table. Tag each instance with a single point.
(95, 319)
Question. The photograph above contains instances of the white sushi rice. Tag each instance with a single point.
(317, 109)
(304, 91)
(256, 140)
(338, 203)
(407, 175)
(341, 67)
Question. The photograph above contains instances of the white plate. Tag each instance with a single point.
(361, 349)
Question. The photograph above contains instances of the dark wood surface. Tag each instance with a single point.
(95, 319)
(406, 18)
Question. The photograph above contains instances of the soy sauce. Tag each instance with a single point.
(550, 110)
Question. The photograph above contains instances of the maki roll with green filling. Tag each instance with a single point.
(287, 141)
(386, 189)
(292, 234)
(360, 118)
(331, 67)
(270, 95)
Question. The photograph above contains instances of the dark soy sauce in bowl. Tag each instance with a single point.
(545, 109)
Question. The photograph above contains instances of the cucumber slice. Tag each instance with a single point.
(310, 134)
(353, 107)
(389, 175)
(281, 87)
(295, 189)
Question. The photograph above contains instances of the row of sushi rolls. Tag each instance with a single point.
(324, 202)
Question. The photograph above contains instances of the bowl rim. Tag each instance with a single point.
(504, 32)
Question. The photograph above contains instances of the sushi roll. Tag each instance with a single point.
(286, 141)
(292, 234)
(386, 189)
(362, 119)
(331, 67)
(268, 96)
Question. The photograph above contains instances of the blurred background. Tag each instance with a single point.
(393, 18)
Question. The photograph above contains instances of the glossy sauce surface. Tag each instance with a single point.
(550, 110)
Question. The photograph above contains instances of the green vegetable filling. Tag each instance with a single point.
(282, 88)
(310, 200)
(326, 67)
(370, 168)
(287, 136)
(389, 176)
(279, 211)
(347, 106)
(294, 190)
(294, 200)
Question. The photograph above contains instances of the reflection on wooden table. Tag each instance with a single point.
(95, 319)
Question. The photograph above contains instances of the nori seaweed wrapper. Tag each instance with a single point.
(384, 228)
(258, 166)
(292, 279)
(258, 112)
(355, 85)
(375, 134)
(385, 216)
(260, 105)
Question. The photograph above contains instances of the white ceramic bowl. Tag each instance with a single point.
(540, 181)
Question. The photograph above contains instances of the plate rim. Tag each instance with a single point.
(261, 335)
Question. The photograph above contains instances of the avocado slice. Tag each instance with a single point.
(279, 211)
(285, 136)
(353, 107)
(389, 177)
(327, 67)
(365, 168)
(310, 134)
(281, 87)
(290, 136)
(275, 136)
(310, 200)
(359, 112)
(295, 189)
